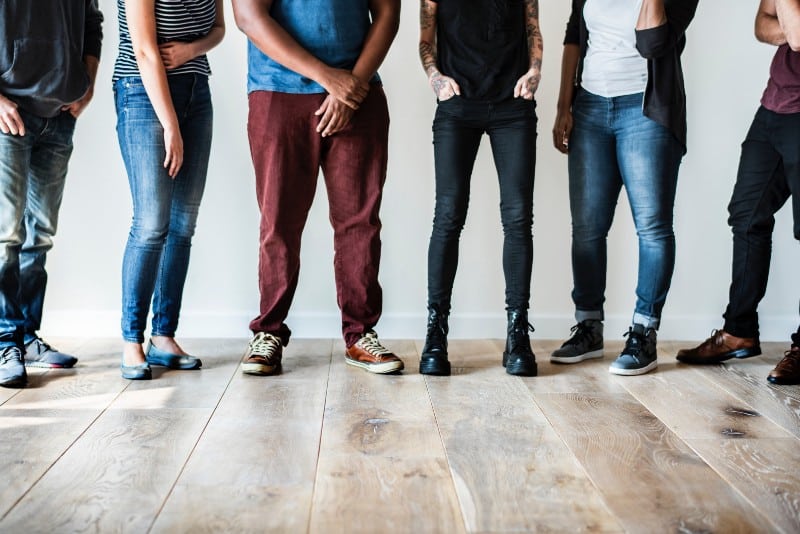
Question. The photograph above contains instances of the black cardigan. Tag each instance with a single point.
(665, 95)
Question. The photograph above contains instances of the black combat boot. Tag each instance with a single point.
(518, 358)
(433, 360)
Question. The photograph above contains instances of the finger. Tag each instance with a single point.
(323, 108)
(456, 88)
(350, 103)
(324, 121)
(4, 127)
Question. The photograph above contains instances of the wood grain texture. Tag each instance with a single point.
(325, 447)
(746, 380)
(512, 472)
(650, 479)
(253, 468)
(39, 423)
(382, 467)
(116, 475)
(765, 471)
(694, 407)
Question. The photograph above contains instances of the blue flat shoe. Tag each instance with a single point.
(136, 372)
(156, 356)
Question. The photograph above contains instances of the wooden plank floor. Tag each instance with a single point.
(325, 447)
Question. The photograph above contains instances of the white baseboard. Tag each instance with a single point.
(105, 323)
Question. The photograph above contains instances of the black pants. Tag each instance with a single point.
(769, 173)
(457, 130)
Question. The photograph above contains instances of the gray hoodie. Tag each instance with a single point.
(42, 46)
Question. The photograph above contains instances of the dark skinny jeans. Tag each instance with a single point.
(458, 127)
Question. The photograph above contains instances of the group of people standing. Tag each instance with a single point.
(316, 102)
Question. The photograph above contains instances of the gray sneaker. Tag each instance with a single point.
(39, 354)
(586, 343)
(12, 368)
(639, 355)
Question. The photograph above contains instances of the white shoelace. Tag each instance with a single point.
(264, 345)
(369, 342)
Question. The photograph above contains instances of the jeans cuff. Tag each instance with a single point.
(646, 321)
(583, 315)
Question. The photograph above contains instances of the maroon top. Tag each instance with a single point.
(783, 88)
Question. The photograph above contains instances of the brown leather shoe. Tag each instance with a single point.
(787, 372)
(369, 354)
(719, 347)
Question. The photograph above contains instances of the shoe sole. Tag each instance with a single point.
(594, 354)
(260, 369)
(45, 365)
(633, 372)
(377, 368)
(434, 367)
(783, 381)
(15, 383)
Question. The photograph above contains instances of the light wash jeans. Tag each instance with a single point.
(33, 169)
(613, 145)
(165, 210)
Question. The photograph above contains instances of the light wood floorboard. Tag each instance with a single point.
(326, 447)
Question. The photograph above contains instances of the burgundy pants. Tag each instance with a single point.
(287, 154)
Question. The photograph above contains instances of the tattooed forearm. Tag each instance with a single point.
(428, 57)
(427, 15)
(427, 36)
(535, 42)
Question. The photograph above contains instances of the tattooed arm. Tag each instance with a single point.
(529, 82)
(444, 87)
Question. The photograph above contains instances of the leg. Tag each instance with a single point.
(649, 158)
(48, 172)
(193, 103)
(594, 185)
(141, 140)
(760, 191)
(15, 156)
(354, 166)
(455, 145)
(513, 138)
(285, 150)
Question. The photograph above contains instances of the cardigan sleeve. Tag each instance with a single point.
(573, 34)
(93, 31)
(659, 41)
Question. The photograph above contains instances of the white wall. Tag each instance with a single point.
(726, 70)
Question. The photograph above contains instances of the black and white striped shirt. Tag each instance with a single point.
(176, 20)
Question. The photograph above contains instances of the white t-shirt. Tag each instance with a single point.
(613, 66)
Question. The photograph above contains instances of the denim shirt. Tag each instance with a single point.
(333, 31)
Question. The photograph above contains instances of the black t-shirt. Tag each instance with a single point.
(482, 45)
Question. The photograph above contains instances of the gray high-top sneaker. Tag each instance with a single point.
(585, 343)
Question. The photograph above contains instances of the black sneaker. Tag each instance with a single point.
(433, 360)
(12, 368)
(639, 355)
(518, 358)
(586, 343)
(39, 353)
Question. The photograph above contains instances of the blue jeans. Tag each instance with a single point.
(613, 144)
(164, 209)
(33, 169)
(458, 127)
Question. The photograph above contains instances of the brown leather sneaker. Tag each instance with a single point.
(787, 372)
(263, 356)
(369, 354)
(719, 347)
